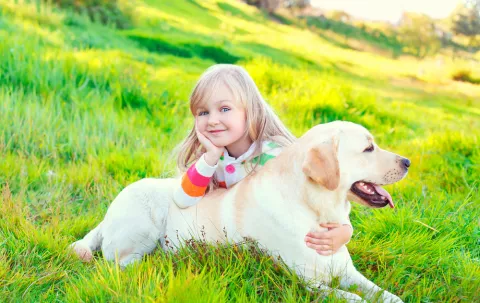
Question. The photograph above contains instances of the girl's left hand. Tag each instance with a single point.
(328, 242)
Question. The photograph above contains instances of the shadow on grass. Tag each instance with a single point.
(158, 44)
(278, 55)
(132, 98)
(232, 10)
(196, 4)
(281, 19)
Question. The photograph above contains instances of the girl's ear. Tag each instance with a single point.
(321, 165)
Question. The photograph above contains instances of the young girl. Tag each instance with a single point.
(236, 133)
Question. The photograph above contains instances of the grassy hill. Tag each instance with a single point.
(86, 109)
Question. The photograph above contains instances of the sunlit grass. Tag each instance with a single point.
(87, 109)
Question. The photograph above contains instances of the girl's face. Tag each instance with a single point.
(223, 121)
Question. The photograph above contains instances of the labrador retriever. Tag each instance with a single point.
(307, 184)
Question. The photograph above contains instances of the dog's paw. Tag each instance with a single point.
(82, 251)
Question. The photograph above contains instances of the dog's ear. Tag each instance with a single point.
(321, 165)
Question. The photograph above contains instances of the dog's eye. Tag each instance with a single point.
(369, 149)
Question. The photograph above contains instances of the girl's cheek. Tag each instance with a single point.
(201, 123)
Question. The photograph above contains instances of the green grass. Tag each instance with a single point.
(87, 109)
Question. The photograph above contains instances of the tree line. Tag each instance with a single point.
(420, 34)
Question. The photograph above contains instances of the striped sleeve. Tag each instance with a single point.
(194, 183)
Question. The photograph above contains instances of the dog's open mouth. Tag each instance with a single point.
(372, 193)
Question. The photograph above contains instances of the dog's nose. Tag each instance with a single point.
(406, 163)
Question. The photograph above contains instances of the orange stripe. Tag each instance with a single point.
(191, 189)
(222, 184)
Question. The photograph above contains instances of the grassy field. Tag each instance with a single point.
(86, 109)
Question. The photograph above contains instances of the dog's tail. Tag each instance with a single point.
(91, 242)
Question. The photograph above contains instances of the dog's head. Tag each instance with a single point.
(343, 155)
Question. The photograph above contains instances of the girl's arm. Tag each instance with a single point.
(328, 242)
(194, 183)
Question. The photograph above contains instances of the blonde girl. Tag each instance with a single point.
(236, 133)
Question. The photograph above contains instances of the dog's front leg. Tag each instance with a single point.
(315, 268)
(370, 289)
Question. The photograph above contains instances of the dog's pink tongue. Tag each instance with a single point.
(385, 193)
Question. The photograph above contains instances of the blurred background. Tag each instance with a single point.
(94, 96)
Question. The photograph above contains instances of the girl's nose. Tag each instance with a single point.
(212, 120)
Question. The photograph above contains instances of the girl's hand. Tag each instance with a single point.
(214, 152)
(328, 242)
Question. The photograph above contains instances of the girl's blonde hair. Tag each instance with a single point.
(262, 123)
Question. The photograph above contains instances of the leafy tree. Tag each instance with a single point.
(466, 20)
(419, 35)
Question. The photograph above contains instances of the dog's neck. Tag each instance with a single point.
(328, 206)
(296, 186)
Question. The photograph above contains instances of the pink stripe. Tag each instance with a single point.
(196, 178)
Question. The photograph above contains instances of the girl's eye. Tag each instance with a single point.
(202, 113)
(224, 109)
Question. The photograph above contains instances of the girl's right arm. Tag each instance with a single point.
(194, 183)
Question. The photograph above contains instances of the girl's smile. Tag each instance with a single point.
(216, 131)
